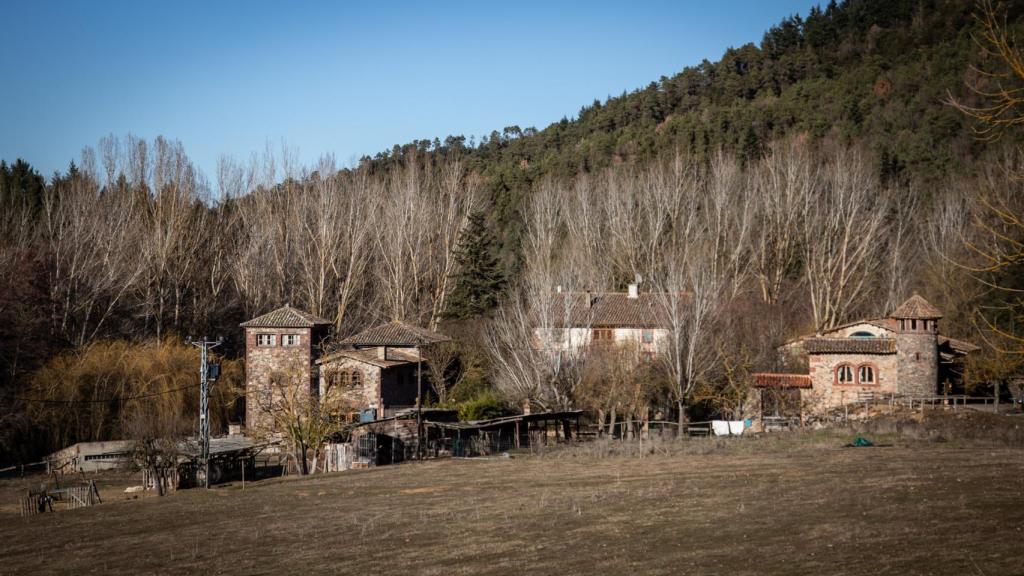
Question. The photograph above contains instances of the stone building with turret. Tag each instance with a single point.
(900, 355)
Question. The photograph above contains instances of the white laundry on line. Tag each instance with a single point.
(720, 427)
(736, 427)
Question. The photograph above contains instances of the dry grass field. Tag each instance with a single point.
(792, 504)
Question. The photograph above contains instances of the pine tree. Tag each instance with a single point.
(480, 279)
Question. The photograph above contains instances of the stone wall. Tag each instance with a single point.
(827, 393)
(367, 395)
(919, 363)
(262, 363)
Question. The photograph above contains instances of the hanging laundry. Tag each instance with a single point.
(720, 427)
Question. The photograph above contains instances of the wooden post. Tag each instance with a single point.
(243, 473)
(517, 434)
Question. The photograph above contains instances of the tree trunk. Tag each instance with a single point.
(158, 479)
(681, 406)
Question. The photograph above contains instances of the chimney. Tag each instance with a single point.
(634, 292)
(382, 352)
(590, 299)
(558, 289)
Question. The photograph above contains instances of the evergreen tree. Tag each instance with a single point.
(751, 147)
(480, 279)
(20, 183)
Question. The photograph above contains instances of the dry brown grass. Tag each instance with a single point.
(794, 504)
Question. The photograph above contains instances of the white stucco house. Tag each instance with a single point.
(574, 321)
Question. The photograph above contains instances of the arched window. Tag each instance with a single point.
(844, 374)
(866, 375)
(356, 379)
(335, 378)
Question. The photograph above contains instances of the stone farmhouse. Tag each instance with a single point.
(581, 319)
(902, 354)
(285, 347)
(381, 366)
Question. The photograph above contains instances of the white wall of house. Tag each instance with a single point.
(651, 340)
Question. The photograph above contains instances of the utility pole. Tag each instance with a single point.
(206, 375)
(419, 403)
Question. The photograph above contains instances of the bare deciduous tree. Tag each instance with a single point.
(306, 419)
(783, 187)
(844, 238)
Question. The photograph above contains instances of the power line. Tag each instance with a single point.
(103, 401)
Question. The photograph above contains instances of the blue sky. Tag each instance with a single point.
(334, 77)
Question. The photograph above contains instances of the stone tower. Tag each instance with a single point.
(917, 347)
(281, 345)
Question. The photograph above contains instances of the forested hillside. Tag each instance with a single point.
(792, 185)
(875, 73)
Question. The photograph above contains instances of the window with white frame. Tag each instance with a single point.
(866, 375)
(266, 339)
(289, 340)
(844, 374)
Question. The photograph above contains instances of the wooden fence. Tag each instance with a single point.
(71, 497)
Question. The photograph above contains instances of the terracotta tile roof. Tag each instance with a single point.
(394, 356)
(850, 345)
(957, 346)
(916, 308)
(771, 380)
(606, 309)
(285, 317)
(395, 334)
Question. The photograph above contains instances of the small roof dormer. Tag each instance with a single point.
(286, 317)
(916, 308)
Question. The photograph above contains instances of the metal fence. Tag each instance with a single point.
(486, 444)
(943, 401)
(381, 449)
